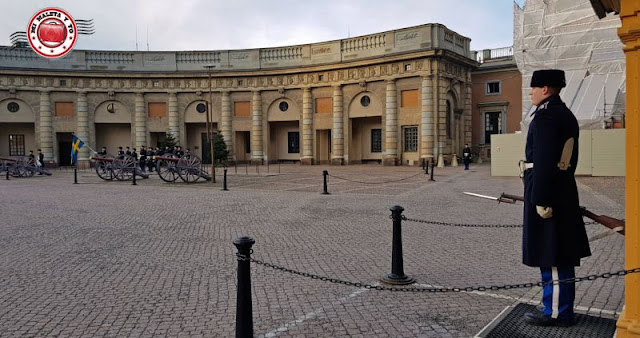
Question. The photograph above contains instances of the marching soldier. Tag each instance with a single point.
(150, 155)
(143, 158)
(40, 161)
(120, 151)
(128, 152)
(554, 236)
(134, 154)
(103, 152)
(179, 151)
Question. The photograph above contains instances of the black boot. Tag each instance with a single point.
(540, 319)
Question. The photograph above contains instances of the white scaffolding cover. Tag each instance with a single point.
(567, 35)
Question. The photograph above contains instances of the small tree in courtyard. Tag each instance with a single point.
(221, 151)
(170, 140)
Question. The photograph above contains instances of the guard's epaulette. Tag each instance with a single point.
(543, 106)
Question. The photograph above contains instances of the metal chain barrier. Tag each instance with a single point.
(468, 225)
(355, 181)
(442, 289)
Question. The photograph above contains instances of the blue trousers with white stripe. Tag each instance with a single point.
(558, 298)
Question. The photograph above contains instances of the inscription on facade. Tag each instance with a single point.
(321, 50)
(407, 37)
(239, 56)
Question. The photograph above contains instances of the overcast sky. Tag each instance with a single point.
(239, 24)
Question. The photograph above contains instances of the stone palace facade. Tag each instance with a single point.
(394, 97)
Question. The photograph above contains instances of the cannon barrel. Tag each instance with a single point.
(165, 158)
(105, 159)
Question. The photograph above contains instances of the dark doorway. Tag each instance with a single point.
(64, 148)
(206, 149)
(492, 125)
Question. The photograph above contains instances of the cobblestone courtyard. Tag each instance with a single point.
(108, 259)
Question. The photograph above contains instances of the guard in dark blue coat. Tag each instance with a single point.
(554, 236)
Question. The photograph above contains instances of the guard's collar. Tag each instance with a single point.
(544, 103)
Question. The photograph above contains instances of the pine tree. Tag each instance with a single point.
(221, 151)
(170, 141)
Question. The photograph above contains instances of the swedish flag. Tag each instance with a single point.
(75, 147)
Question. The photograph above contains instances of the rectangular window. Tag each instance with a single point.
(293, 142)
(157, 109)
(492, 125)
(242, 108)
(493, 88)
(16, 145)
(64, 109)
(324, 105)
(410, 139)
(409, 98)
(376, 140)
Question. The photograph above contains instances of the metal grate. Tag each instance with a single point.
(511, 324)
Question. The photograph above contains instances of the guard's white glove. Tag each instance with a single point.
(544, 212)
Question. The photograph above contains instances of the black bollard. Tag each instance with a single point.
(433, 165)
(424, 160)
(397, 276)
(426, 167)
(134, 177)
(244, 311)
(7, 168)
(75, 175)
(324, 177)
(224, 182)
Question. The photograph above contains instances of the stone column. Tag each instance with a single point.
(391, 131)
(466, 115)
(46, 126)
(337, 135)
(174, 117)
(442, 120)
(140, 122)
(307, 127)
(226, 123)
(82, 128)
(426, 144)
(257, 153)
(629, 323)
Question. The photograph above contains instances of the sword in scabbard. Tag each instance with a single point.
(502, 198)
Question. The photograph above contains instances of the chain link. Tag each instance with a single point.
(441, 289)
(468, 225)
(354, 181)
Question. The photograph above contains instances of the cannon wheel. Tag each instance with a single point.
(124, 167)
(189, 168)
(104, 169)
(167, 170)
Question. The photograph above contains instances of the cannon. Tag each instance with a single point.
(21, 167)
(188, 167)
(122, 168)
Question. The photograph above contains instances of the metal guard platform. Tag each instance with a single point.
(510, 324)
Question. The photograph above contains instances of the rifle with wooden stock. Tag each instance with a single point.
(614, 224)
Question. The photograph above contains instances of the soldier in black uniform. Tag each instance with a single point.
(554, 236)
(120, 151)
(103, 152)
(179, 151)
(150, 155)
(143, 158)
(134, 154)
(128, 152)
(466, 156)
(40, 161)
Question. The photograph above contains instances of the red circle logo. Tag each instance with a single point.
(52, 32)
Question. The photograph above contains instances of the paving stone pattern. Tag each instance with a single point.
(108, 259)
